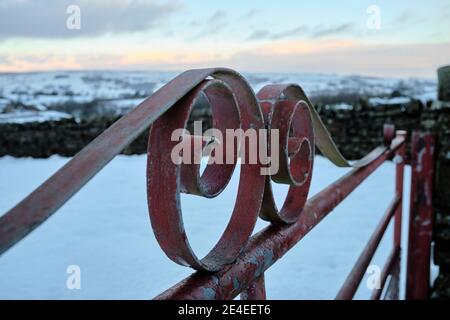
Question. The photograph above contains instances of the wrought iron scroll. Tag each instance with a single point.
(234, 105)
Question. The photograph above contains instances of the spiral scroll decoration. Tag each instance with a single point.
(285, 109)
(233, 105)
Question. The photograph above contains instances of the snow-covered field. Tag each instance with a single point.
(105, 230)
(122, 90)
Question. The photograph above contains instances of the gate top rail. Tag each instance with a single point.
(267, 246)
(234, 105)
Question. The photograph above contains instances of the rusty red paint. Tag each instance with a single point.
(393, 287)
(399, 180)
(420, 216)
(232, 108)
(60, 187)
(239, 262)
(256, 290)
(353, 280)
(270, 244)
(285, 109)
(388, 133)
(389, 269)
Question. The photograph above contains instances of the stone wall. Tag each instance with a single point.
(66, 137)
(356, 132)
(43, 139)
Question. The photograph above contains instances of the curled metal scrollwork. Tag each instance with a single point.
(234, 105)
(284, 109)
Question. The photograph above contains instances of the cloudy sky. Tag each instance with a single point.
(252, 35)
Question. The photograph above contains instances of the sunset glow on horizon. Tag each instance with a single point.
(330, 37)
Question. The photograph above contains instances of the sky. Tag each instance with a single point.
(381, 38)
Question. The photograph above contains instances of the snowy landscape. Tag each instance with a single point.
(85, 86)
(105, 229)
(40, 96)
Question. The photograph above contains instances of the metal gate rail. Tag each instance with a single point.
(237, 263)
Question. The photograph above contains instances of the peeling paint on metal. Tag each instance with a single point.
(209, 293)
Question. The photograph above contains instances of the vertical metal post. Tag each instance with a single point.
(256, 290)
(394, 283)
(392, 291)
(399, 173)
(420, 216)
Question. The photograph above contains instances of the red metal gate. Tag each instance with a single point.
(237, 263)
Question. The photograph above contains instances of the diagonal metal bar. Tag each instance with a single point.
(393, 257)
(270, 244)
(353, 280)
(53, 193)
(256, 290)
(61, 186)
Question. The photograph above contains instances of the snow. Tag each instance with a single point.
(389, 101)
(3, 104)
(24, 116)
(343, 106)
(105, 230)
(122, 89)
